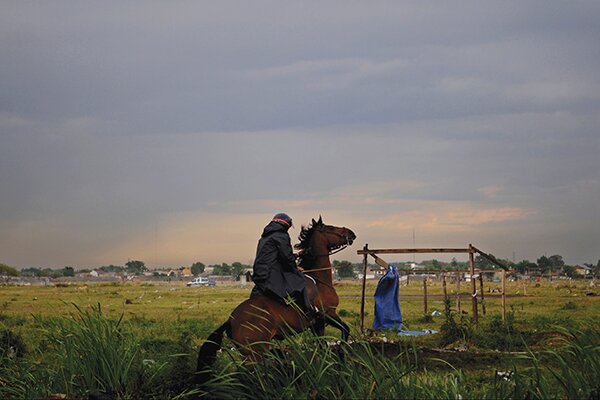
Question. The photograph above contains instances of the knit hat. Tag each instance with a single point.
(283, 219)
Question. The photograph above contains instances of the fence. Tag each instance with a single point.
(471, 250)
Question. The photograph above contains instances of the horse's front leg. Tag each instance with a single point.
(318, 327)
(334, 320)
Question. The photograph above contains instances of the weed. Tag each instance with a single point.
(452, 330)
(343, 313)
(569, 305)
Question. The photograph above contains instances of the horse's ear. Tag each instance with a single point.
(320, 220)
(314, 222)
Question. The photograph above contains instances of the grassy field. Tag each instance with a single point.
(533, 303)
(163, 324)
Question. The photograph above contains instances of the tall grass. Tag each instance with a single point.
(93, 355)
(575, 367)
(311, 367)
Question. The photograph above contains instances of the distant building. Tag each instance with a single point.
(186, 272)
(583, 269)
(208, 270)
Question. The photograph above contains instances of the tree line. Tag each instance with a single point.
(345, 269)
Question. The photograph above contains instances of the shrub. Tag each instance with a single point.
(501, 335)
(11, 344)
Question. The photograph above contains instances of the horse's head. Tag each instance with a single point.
(329, 238)
(335, 236)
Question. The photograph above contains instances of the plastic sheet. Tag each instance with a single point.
(387, 308)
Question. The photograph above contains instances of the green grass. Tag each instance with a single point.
(140, 340)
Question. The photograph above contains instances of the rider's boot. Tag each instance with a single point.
(310, 311)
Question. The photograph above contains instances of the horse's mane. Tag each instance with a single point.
(304, 236)
(307, 259)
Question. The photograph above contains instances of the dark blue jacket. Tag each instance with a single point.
(274, 270)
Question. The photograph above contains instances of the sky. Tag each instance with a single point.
(171, 132)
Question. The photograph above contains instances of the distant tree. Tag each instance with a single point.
(7, 270)
(112, 268)
(556, 262)
(570, 271)
(48, 272)
(345, 269)
(358, 266)
(197, 268)
(136, 267)
(237, 268)
(435, 264)
(525, 267)
(31, 271)
(544, 264)
(51, 273)
(223, 269)
(68, 271)
(594, 269)
(482, 263)
(454, 263)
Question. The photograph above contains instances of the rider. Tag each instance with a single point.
(274, 272)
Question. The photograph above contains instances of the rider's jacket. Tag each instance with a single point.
(274, 270)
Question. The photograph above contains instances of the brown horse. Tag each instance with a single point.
(260, 319)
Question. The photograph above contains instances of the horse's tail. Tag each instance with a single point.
(208, 353)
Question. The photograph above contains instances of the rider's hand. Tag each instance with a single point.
(300, 268)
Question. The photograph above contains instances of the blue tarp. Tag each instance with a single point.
(417, 333)
(387, 308)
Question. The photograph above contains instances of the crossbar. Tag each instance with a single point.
(414, 251)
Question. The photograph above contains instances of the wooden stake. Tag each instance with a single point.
(444, 288)
(481, 290)
(425, 296)
(458, 292)
(503, 295)
(364, 284)
(473, 282)
(446, 301)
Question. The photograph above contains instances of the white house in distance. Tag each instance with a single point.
(583, 270)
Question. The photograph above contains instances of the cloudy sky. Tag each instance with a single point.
(171, 132)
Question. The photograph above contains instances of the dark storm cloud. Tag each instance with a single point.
(113, 115)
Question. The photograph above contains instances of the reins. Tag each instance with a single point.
(317, 279)
(316, 269)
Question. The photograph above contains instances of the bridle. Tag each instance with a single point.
(347, 242)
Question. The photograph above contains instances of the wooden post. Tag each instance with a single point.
(364, 283)
(473, 282)
(444, 287)
(481, 290)
(425, 296)
(458, 292)
(503, 295)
